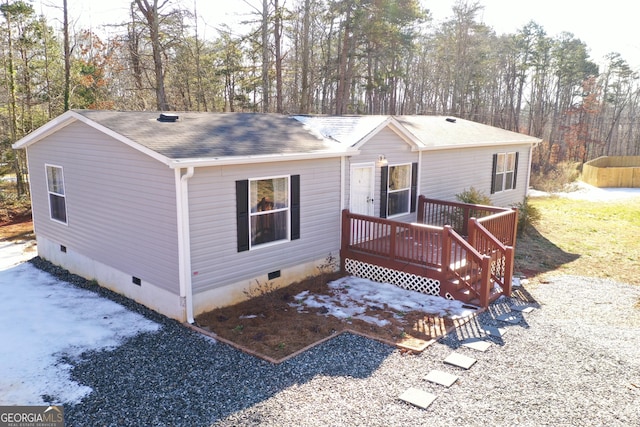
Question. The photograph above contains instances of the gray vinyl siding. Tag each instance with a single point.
(445, 173)
(121, 204)
(396, 151)
(215, 259)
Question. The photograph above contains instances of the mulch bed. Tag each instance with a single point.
(268, 327)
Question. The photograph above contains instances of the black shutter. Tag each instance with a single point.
(295, 207)
(242, 214)
(414, 186)
(493, 173)
(384, 187)
(515, 171)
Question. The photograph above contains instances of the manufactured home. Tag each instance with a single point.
(184, 212)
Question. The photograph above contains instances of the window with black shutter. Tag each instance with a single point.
(267, 211)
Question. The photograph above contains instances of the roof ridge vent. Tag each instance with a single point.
(168, 117)
(451, 119)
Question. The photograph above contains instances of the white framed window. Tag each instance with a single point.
(399, 190)
(505, 166)
(269, 210)
(55, 190)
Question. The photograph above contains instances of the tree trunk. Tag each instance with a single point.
(265, 56)
(13, 115)
(134, 56)
(151, 15)
(342, 91)
(305, 95)
(67, 56)
(277, 35)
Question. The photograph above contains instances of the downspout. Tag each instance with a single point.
(343, 165)
(526, 189)
(419, 186)
(184, 242)
(343, 186)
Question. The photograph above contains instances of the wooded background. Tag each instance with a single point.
(319, 57)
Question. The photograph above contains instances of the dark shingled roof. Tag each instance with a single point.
(213, 135)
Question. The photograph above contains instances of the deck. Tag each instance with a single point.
(457, 250)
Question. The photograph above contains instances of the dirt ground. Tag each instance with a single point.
(267, 325)
(17, 229)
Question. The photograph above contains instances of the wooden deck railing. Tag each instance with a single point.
(457, 215)
(502, 225)
(501, 256)
(398, 245)
(467, 268)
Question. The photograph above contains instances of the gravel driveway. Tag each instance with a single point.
(572, 361)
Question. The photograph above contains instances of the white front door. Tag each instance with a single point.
(362, 187)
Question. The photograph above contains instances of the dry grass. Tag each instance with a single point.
(584, 238)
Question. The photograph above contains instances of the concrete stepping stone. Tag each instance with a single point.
(476, 344)
(509, 318)
(460, 360)
(417, 397)
(522, 308)
(493, 331)
(443, 378)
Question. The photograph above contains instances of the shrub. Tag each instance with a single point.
(554, 178)
(474, 197)
(528, 215)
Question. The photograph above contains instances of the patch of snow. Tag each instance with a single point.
(352, 297)
(46, 321)
(583, 191)
(12, 254)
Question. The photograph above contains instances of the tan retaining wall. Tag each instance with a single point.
(613, 171)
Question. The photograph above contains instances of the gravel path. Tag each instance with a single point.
(573, 361)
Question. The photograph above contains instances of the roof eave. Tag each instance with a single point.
(479, 145)
(269, 158)
(47, 129)
(71, 116)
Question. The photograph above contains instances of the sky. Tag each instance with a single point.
(604, 27)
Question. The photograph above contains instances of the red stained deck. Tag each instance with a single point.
(475, 269)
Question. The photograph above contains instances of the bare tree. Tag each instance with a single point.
(150, 13)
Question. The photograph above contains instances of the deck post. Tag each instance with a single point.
(508, 270)
(485, 285)
(514, 227)
(465, 221)
(446, 250)
(420, 217)
(392, 242)
(471, 229)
